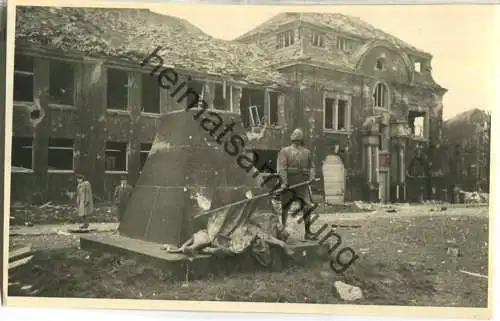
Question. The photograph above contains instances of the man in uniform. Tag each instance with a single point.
(295, 166)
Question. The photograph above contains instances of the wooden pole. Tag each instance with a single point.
(253, 198)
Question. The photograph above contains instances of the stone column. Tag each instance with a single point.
(370, 149)
(267, 107)
(236, 93)
(281, 110)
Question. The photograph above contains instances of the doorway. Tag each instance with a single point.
(334, 179)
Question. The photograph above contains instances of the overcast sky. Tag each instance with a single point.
(460, 37)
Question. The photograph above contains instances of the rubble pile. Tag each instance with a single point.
(50, 213)
(474, 197)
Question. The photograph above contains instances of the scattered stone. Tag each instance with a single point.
(453, 251)
(348, 292)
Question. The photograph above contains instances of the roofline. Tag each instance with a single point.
(73, 55)
(415, 52)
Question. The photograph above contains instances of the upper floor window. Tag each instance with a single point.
(24, 72)
(222, 97)
(285, 39)
(344, 44)
(150, 95)
(418, 66)
(336, 114)
(318, 39)
(117, 89)
(198, 100)
(61, 82)
(416, 123)
(273, 108)
(381, 96)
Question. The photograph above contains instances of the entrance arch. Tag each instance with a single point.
(334, 179)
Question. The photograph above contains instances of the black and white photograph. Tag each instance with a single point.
(313, 157)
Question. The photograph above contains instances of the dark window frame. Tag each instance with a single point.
(69, 70)
(21, 75)
(111, 73)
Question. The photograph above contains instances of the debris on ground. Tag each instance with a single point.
(438, 209)
(474, 274)
(348, 292)
(365, 206)
(53, 213)
(452, 248)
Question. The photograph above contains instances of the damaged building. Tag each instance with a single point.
(367, 102)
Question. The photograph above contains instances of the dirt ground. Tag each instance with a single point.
(403, 261)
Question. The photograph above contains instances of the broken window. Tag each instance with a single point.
(273, 106)
(23, 78)
(117, 89)
(381, 95)
(60, 154)
(199, 88)
(254, 116)
(418, 66)
(318, 39)
(249, 98)
(22, 152)
(329, 113)
(285, 39)
(342, 114)
(343, 44)
(416, 121)
(335, 114)
(222, 97)
(61, 83)
(116, 157)
(150, 95)
(144, 153)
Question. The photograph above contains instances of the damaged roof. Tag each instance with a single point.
(346, 24)
(132, 34)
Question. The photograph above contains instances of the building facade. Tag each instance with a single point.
(84, 104)
(367, 100)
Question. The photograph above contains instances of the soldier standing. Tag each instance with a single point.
(295, 166)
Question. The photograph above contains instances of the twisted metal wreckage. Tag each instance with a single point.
(237, 227)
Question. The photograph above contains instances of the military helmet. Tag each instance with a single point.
(297, 135)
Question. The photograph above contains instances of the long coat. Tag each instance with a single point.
(84, 199)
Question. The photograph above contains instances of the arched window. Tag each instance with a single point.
(381, 96)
